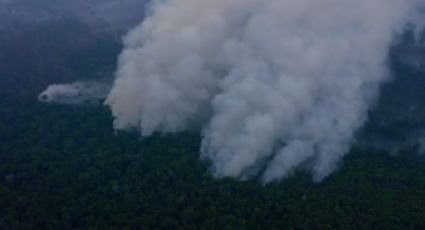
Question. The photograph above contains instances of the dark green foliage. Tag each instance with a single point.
(62, 167)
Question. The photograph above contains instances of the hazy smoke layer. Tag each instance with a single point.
(278, 85)
(76, 93)
(117, 14)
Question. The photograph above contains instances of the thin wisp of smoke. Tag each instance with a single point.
(79, 92)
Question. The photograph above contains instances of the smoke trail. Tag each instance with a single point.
(80, 92)
(279, 85)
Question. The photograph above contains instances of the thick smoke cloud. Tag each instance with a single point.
(80, 92)
(277, 85)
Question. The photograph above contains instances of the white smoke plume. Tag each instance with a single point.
(277, 85)
(80, 92)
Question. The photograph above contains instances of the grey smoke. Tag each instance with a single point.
(279, 85)
(80, 92)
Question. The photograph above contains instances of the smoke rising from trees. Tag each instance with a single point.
(275, 86)
(79, 92)
(279, 86)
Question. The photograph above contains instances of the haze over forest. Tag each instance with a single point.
(212, 114)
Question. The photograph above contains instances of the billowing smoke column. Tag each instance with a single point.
(277, 85)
